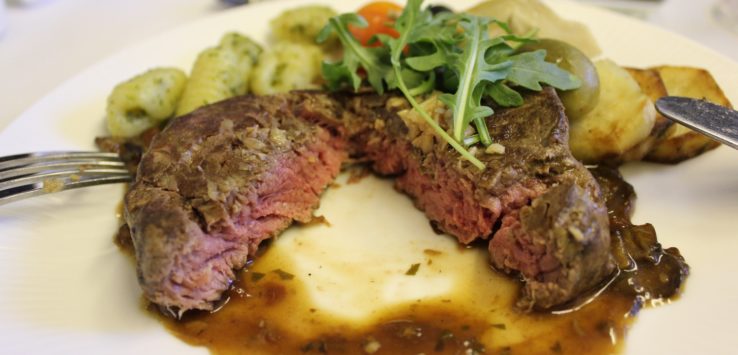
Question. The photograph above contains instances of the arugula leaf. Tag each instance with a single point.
(473, 72)
(427, 62)
(418, 88)
(354, 56)
(437, 32)
(504, 95)
(404, 25)
(529, 70)
(473, 67)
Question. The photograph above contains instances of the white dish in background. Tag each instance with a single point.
(3, 19)
(67, 289)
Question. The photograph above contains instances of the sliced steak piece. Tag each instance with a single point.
(217, 182)
(541, 208)
(558, 244)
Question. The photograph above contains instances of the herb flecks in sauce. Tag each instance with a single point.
(412, 270)
(649, 273)
(270, 314)
(277, 318)
(283, 275)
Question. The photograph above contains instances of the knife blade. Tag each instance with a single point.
(715, 121)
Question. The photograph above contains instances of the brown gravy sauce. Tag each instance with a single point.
(268, 310)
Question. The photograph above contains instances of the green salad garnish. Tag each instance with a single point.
(474, 66)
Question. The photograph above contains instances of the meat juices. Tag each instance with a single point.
(217, 182)
(541, 208)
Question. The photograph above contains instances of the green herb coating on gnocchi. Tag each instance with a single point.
(220, 72)
(287, 66)
(144, 101)
(302, 24)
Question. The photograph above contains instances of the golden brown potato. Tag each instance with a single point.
(623, 117)
(651, 84)
(678, 142)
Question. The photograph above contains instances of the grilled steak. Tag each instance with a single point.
(217, 182)
(220, 180)
(541, 208)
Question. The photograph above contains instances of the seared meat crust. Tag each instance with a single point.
(217, 182)
(541, 208)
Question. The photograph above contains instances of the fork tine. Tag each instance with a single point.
(11, 161)
(34, 174)
(72, 174)
(26, 191)
(52, 166)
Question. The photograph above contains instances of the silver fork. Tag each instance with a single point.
(33, 174)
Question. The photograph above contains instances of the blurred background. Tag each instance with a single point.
(45, 42)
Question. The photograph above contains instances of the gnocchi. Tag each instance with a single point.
(302, 24)
(144, 101)
(220, 72)
(287, 66)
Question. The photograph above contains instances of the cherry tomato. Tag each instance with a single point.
(381, 16)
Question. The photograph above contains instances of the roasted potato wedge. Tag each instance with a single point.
(678, 142)
(651, 84)
(623, 118)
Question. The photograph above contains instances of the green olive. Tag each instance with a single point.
(580, 101)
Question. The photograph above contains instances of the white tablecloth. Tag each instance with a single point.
(50, 41)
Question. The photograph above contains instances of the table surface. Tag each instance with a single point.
(49, 41)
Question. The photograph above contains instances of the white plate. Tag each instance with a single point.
(65, 288)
